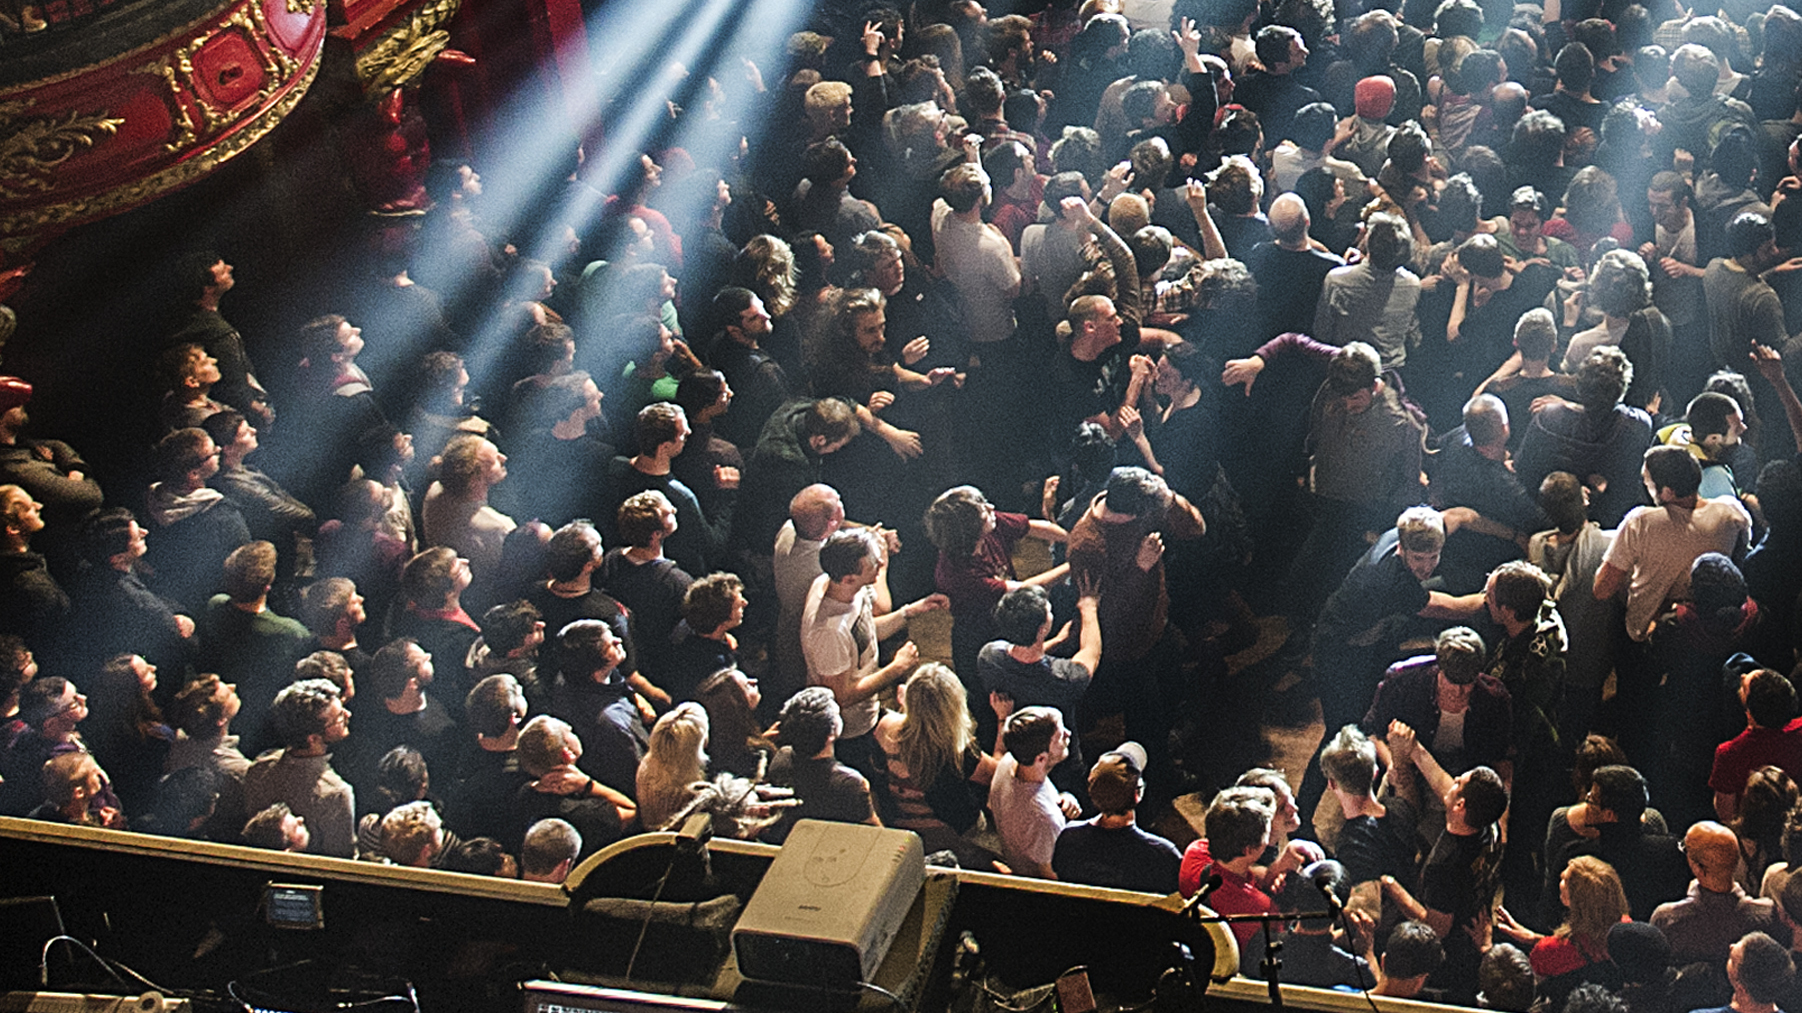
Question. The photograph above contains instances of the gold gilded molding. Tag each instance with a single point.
(173, 177)
(179, 113)
(31, 147)
(256, 30)
(302, 6)
(403, 54)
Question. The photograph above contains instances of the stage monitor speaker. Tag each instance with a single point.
(76, 1002)
(830, 904)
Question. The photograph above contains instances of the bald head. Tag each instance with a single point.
(1713, 852)
(1289, 221)
(817, 512)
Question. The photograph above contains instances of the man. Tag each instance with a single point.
(571, 558)
(476, 804)
(112, 603)
(1238, 822)
(822, 202)
(1110, 849)
(698, 542)
(1772, 737)
(1289, 270)
(786, 460)
(1570, 553)
(1696, 120)
(1703, 926)
(1029, 812)
(1473, 470)
(806, 763)
(814, 514)
(309, 717)
(1100, 372)
(203, 278)
(1117, 547)
(1374, 299)
(642, 578)
(840, 633)
(190, 374)
(1711, 429)
(1023, 665)
(49, 470)
(413, 835)
(703, 643)
(1459, 882)
(1677, 269)
(1528, 660)
(270, 512)
(549, 754)
(1650, 865)
(196, 526)
(758, 382)
(974, 254)
(592, 695)
(1310, 957)
(405, 714)
(1275, 93)
(32, 604)
(246, 643)
(1761, 972)
(202, 715)
(333, 612)
(1379, 837)
(1652, 551)
(277, 828)
(1743, 308)
(456, 511)
(550, 850)
(432, 588)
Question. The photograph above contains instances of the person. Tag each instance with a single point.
(1594, 902)
(973, 254)
(430, 610)
(814, 513)
(202, 715)
(703, 642)
(1466, 713)
(1599, 439)
(50, 471)
(1310, 955)
(827, 789)
(247, 643)
(572, 556)
(456, 513)
(757, 379)
(127, 731)
(33, 606)
(405, 712)
(196, 526)
(271, 513)
(1291, 273)
(1410, 958)
(334, 612)
(1238, 822)
(1378, 837)
(1761, 972)
(1651, 554)
(788, 457)
(413, 835)
(592, 695)
(1772, 737)
(309, 717)
(639, 576)
(1711, 430)
(276, 827)
(1111, 849)
(1569, 554)
(1703, 925)
(1024, 667)
(550, 850)
(1029, 811)
(1459, 882)
(549, 755)
(674, 760)
(737, 744)
(50, 708)
(697, 541)
(1374, 299)
(489, 776)
(202, 279)
(840, 632)
(932, 769)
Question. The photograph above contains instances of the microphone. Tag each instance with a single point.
(1323, 881)
(1209, 882)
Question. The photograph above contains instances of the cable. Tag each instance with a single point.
(1357, 968)
(894, 1000)
(650, 912)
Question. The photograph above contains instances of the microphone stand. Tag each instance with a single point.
(1272, 964)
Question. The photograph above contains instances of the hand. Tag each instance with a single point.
(1363, 930)
(1067, 802)
(1001, 704)
(1301, 854)
(930, 603)
(915, 350)
(1188, 38)
(905, 443)
(906, 656)
(184, 626)
(1151, 549)
(1242, 371)
(1514, 930)
(1114, 183)
(879, 400)
(564, 780)
(1077, 209)
(725, 477)
(1454, 271)
(1684, 161)
(973, 148)
(113, 819)
(1768, 362)
(1401, 742)
(1347, 129)
(1131, 422)
(1048, 497)
(1671, 266)
(1195, 192)
(941, 374)
(1546, 401)
(1482, 930)
(872, 39)
(1792, 264)
(1142, 366)
(1088, 589)
(75, 476)
(753, 76)
(645, 710)
(889, 541)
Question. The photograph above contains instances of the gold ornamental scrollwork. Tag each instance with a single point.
(179, 114)
(302, 6)
(31, 147)
(403, 54)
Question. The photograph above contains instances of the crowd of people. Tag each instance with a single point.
(622, 512)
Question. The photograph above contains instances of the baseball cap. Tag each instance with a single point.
(1115, 778)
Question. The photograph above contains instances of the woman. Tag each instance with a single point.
(1577, 953)
(932, 763)
(126, 729)
(673, 764)
(976, 567)
(737, 744)
(1764, 810)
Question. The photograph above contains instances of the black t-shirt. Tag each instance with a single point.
(1125, 858)
(653, 591)
(828, 790)
(1460, 878)
(1289, 283)
(1370, 846)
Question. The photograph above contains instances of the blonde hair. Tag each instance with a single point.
(408, 830)
(1597, 903)
(674, 762)
(936, 728)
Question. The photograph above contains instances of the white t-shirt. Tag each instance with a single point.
(977, 259)
(1026, 816)
(838, 640)
(1656, 546)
